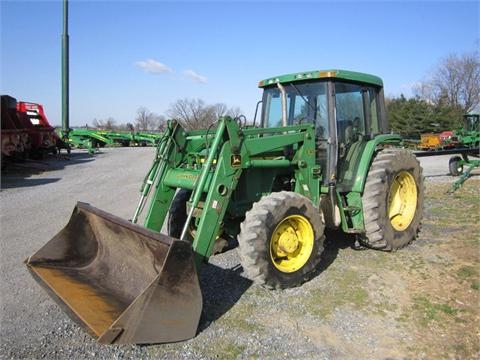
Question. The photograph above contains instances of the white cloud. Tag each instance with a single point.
(195, 77)
(153, 67)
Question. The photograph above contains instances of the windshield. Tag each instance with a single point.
(471, 122)
(306, 103)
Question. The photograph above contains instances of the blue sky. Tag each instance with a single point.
(129, 54)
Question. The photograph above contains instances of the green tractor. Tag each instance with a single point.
(321, 156)
(469, 140)
(469, 134)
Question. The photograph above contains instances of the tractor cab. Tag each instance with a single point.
(469, 135)
(471, 122)
(346, 108)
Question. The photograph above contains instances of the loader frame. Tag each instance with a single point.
(230, 168)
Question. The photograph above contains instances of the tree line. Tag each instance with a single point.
(438, 104)
(190, 113)
(440, 101)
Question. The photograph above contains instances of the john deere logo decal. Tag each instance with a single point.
(236, 160)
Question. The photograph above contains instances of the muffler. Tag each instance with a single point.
(121, 282)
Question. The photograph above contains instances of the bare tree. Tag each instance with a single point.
(455, 83)
(191, 113)
(146, 120)
(218, 110)
(104, 124)
(234, 112)
(160, 123)
(195, 114)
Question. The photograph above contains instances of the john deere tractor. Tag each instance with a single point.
(320, 156)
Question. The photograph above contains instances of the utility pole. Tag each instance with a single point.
(65, 74)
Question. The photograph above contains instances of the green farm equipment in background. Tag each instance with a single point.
(463, 144)
(131, 138)
(142, 138)
(321, 156)
(469, 135)
(88, 139)
(469, 144)
(92, 139)
(116, 137)
(469, 140)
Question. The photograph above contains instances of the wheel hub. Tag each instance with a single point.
(288, 241)
(402, 201)
(291, 243)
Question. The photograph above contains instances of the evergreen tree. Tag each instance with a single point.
(413, 117)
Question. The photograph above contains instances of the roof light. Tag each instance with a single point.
(327, 74)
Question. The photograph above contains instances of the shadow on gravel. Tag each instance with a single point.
(16, 182)
(334, 241)
(17, 174)
(221, 290)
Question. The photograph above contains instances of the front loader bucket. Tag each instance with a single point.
(121, 282)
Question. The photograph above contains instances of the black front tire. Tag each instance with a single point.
(281, 240)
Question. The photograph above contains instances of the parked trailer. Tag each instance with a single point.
(434, 142)
(463, 143)
(15, 137)
(43, 137)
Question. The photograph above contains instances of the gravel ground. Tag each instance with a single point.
(238, 321)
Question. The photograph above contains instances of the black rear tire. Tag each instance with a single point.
(281, 240)
(393, 199)
(454, 166)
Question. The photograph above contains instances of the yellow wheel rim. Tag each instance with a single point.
(292, 243)
(402, 201)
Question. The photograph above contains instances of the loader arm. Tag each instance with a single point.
(169, 153)
(227, 153)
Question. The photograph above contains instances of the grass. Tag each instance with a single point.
(427, 311)
(470, 274)
(345, 290)
(466, 272)
(240, 318)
